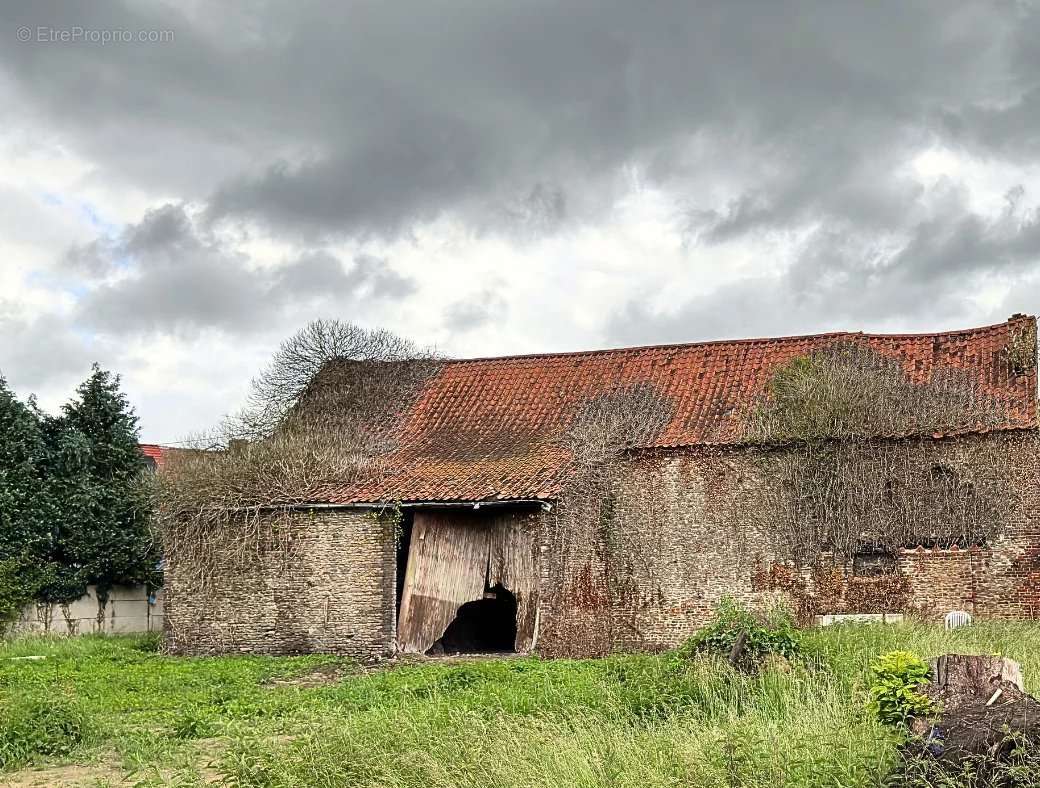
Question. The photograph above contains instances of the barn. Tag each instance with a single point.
(583, 503)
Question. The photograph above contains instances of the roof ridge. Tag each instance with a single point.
(741, 341)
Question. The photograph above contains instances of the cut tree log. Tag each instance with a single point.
(982, 708)
(959, 679)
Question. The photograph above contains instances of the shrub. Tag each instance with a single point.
(894, 694)
(15, 592)
(34, 726)
(775, 633)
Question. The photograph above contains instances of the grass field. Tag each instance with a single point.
(105, 711)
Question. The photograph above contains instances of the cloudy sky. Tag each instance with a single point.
(183, 184)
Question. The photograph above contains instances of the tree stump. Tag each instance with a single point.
(963, 679)
(982, 709)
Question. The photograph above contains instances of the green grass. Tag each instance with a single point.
(116, 706)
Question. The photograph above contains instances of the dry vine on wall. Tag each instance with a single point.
(855, 472)
(599, 559)
(323, 412)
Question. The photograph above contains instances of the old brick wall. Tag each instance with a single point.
(642, 568)
(332, 591)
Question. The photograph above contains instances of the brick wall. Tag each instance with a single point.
(333, 592)
(681, 530)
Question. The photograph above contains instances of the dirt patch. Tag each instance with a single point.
(318, 677)
(72, 776)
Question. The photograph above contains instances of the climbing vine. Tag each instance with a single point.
(855, 472)
(321, 415)
(587, 546)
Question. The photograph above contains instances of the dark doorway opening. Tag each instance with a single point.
(483, 626)
(404, 544)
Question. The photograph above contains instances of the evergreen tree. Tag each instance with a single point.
(25, 506)
(70, 485)
(106, 537)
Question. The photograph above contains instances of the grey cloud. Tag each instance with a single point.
(374, 275)
(844, 277)
(320, 272)
(38, 351)
(474, 311)
(323, 119)
(163, 234)
(174, 278)
(162, 228)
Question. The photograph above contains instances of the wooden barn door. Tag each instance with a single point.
(511, 564)
(454, 556)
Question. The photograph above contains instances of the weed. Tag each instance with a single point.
(35, 726)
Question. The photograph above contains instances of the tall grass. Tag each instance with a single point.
(633, 720)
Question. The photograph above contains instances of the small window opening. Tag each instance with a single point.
(873, 562)
(483, 626)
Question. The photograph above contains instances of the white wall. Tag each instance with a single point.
(128, 610)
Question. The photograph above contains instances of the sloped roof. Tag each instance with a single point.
(153, 451)
(489, 428)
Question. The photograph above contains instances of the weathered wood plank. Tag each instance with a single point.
(447, 567)
(513, 563)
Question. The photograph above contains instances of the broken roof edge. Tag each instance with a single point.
(444, 503)
(747, 445)
(1017, 318)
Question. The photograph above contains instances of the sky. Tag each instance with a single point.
(184, 184)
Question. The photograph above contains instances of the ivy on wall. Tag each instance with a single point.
(597, 555)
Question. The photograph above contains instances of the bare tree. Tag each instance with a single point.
(315, 366)
(325, 411)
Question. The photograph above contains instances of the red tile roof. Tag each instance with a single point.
(489, 428)
(153, 451)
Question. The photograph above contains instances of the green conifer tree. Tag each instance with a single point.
(25, 506)
(106, 537)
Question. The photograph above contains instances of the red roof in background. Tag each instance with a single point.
(489, 429)
(154, 451)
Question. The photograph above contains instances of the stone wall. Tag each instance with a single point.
(639, 566)
(332, 591)
(643, 567)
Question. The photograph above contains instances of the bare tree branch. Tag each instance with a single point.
(326, 410)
